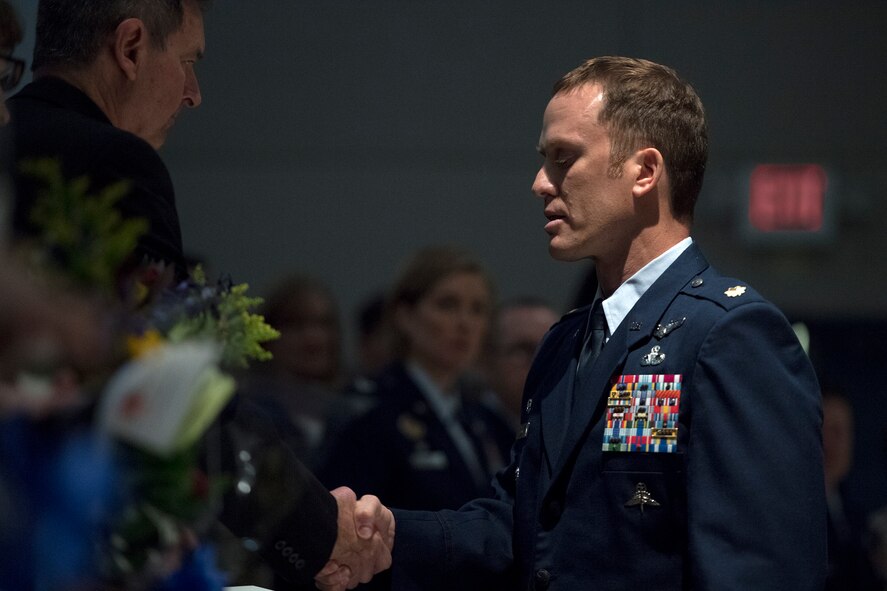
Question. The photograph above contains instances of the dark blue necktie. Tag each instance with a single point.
(595, 335)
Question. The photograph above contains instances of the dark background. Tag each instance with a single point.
(335, 138)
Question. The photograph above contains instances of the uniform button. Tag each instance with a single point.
(697, 281)
(543, 578)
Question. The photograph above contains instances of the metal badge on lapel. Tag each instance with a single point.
(642, 413)
(641, 497)
(411, 427)
(735, 291)
(654, 357)
(662, 330)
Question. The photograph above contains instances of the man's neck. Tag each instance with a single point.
(649, 244)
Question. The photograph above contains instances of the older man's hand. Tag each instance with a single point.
(364, 543)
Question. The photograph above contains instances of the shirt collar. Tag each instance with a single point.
(444, 406)
(618, 305)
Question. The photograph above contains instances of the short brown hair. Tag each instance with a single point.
(646, 103)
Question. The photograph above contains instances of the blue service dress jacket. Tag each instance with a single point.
(402, 452)
(687, 456)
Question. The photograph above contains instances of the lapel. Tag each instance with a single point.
(558, 374)
(414, 404)
(637, 327)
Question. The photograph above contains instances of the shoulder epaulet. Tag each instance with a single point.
(727, 292)
(572, 314)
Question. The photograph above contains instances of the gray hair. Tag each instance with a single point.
(71, 32)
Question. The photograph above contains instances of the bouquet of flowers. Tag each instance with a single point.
(164, 384)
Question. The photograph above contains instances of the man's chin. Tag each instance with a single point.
(158, 141)
(566, 255)
(158, 138)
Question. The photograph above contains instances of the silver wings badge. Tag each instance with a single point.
(641, 498)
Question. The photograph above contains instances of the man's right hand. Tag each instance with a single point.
(364, 543)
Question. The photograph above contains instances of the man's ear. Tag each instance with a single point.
(649, 167)
(130, 44)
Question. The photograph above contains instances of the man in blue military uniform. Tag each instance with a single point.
(670, 434)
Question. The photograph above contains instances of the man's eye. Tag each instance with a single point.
(563, 162)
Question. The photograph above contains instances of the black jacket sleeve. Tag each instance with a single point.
(274, 502)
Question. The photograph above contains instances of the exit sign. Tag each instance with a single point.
(787, 197)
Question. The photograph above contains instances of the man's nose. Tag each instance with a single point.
(542, 185)
(192, 92)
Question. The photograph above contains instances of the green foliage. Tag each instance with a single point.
(242, 331)
(82, 235)
(222, 313)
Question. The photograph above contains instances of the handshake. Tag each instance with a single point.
(363, 545)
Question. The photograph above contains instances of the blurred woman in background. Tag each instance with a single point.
(428, 444)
